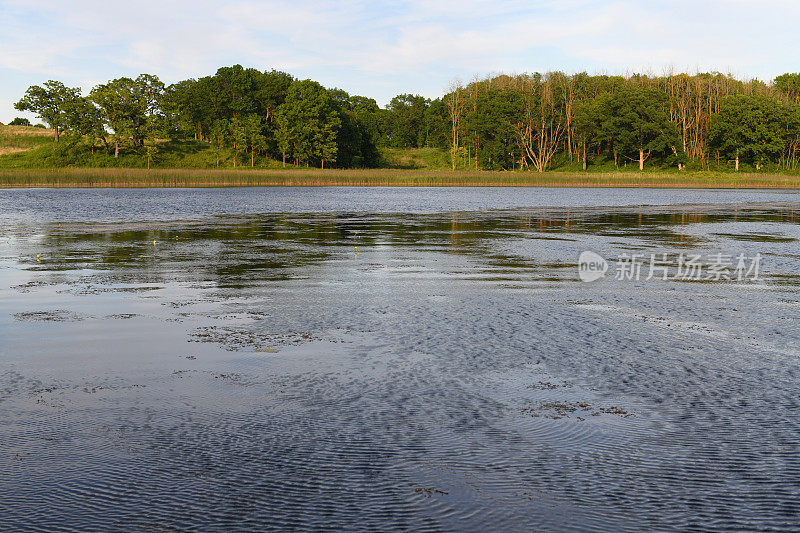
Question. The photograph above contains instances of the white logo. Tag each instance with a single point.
(591, 266)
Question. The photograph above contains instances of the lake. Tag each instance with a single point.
(409, 358)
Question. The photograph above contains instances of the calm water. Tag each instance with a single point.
(427, 359)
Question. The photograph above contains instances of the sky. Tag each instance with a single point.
(380, 49)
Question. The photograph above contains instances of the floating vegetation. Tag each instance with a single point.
(26, 287)
(547, 385)
(429, 491)
(122, 316)
(235, 339)
(56, 315)
(559, 410)
(231, 377)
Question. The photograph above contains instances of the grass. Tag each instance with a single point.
(128, 177)
(415, 158)
(14, 139)
(28, 158)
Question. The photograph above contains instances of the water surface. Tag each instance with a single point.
(376, 358)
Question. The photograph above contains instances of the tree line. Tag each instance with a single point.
(530, 121)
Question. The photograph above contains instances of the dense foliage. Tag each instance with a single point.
(531, 121)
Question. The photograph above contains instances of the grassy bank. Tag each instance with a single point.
(128, 177)
(29, 158)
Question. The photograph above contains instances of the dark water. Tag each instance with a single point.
(373, 359)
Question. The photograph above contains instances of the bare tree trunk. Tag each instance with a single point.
(454, 107)
(737, 160)
(641, 159)
(284, 159)
(584, 155)
(116, 149)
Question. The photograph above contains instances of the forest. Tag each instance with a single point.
(538, 122)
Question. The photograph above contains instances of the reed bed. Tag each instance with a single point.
(129, 177)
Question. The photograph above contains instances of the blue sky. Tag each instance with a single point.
(380, 49)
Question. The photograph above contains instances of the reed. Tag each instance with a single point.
(130, 177)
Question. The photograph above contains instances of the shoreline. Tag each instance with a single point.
(199, 178)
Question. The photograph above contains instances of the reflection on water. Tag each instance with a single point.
(431, 364)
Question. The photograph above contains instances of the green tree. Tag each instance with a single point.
(309, 123)
(494, 119)
(238, 136)
(748, 127)
(20, 122)
(86, 120)
(588, 126)
(220, 130)
(51, 102)
(789, 85)
(131, 108)
(256, 140)
(636, 120)
(406, 125)
(437, 124)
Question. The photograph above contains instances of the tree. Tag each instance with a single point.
(219, 137)
(636, 120)
(86, 120)
(238, 135)
(455, 108)
(366, 114)
(437, 124)
(20, 122)
(789, 85)
(254, 125)
(187, 105)
(497, 111)
(748, 127)
(542, 121)
(131, 108)
(309, 123)
(588, 126)
(51, 102)
(115, 101)
(407, 121)
(283, 135)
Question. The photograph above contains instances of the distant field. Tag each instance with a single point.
(21, 138)
(127, 177)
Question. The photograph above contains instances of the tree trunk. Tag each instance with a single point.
(584, 156)
(641, 159)
(737, 160)
(252, 159)
(284, 159)
(616, 161)
(116, 149)
(323, 164)
(55, 140)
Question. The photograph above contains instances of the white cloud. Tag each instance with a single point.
(383, 48)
